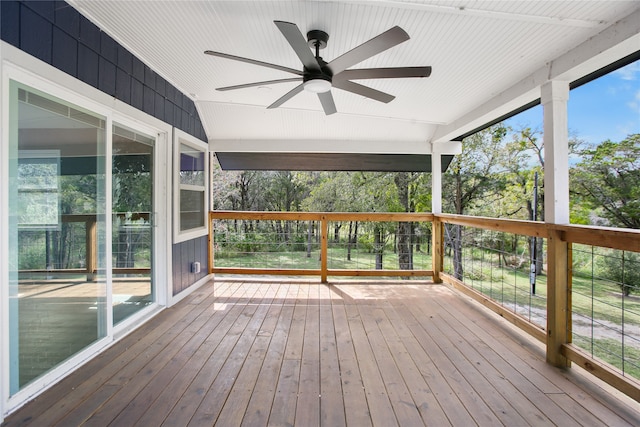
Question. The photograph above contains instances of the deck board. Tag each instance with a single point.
(289, 352)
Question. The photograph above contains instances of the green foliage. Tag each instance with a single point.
(32, 257)
(623, 270)
(608, 179)
(333, 192)
(366, 242)
(474, 177)
(132, 183)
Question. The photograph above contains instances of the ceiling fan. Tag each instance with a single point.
(319, 77)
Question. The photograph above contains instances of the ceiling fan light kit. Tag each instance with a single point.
(318, 76)
(317, 85)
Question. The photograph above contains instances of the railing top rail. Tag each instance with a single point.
(93, 217)
(527, 228)
(329, 216)
(608, 237)
(78, 217)
(615, 238)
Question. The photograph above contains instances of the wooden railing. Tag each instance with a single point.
(91, 248)
(559, 239)
(323, 218)
(557, 334)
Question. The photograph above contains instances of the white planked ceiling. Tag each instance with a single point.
(480, 51)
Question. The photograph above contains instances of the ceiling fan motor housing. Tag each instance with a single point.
(324, 73)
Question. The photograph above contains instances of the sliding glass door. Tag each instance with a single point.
(81, 231)
(132, 229)
(57, 229)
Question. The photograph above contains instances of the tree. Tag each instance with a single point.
(625, 271)
(132, 183)
(473, 178)
(403, 181)
(224, 188)
(608, 178)
(526, 171)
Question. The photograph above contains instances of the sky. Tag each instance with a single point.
(605, 108)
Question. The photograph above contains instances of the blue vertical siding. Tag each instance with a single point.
(183, 255)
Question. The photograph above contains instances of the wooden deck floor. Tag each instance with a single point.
(297, 353)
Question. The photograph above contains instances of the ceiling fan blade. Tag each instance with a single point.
(287, 96)
(359, 89)
(380, 43)
(326, 99)
(254, 62)
(266, 82)
(299, 44)
(383, 73)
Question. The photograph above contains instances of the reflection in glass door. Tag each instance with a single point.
(132, 231)
(57, 231)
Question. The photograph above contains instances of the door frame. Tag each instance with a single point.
(23, 68)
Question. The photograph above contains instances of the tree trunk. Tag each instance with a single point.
(378, 246)
(403, 239)
(395, 241)
(349, 241)
(124, 248)
(279, 232)
(458, 270)
(309, 237)
(287, 231)
(404, 246)
(355, 234)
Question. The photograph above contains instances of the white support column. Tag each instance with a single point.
(436, 182)
(554, 97)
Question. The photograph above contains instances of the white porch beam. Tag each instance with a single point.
(613, 43)
(332, 146)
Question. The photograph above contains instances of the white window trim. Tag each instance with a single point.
(181, 137)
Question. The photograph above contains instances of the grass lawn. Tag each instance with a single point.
(604, 322)
(337, 259)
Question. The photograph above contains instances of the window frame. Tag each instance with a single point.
(182, 138)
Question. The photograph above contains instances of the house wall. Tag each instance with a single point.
(183, 254)
(57, 34)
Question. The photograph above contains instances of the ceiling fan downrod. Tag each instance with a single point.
(318, 82)
(317, 40)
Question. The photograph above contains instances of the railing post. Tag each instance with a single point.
(558, 309)
(324, 227)
(91, 242)
(437, 239)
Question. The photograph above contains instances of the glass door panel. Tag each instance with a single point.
(57, 281)
(132, 241)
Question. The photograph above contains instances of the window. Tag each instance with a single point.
(190, 187)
